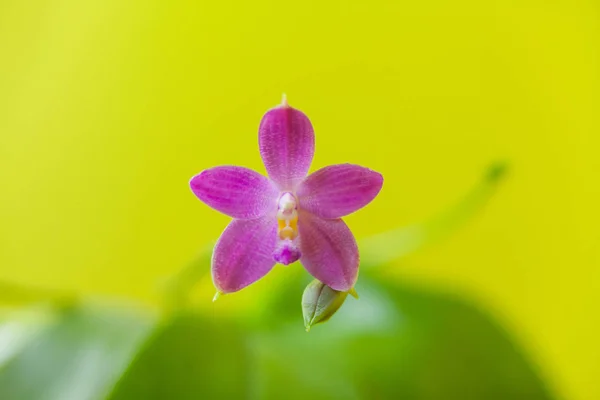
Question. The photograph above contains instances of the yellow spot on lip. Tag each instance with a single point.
(287, 233)
(288, 227)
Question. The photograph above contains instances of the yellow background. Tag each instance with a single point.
(107, 108)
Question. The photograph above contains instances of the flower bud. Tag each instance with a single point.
(320, 302)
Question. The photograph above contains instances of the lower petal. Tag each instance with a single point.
(329, 251)
(244, 253)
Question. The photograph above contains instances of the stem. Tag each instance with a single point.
(385, 247)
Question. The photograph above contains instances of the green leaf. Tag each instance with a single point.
(18, 328)
(397, 342)
(80, 356)
(190, 357)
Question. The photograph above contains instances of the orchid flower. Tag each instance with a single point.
(288, 216)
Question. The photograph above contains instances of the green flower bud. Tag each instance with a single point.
(320, 302)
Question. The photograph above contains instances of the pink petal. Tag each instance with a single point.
(244, 253)
(329, 251)
(338, 190)
(287, 144)
(236, 191)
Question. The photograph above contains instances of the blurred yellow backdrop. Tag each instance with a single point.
(107, 108)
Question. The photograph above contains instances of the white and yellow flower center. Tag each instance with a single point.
(287, 250)
(287, 216)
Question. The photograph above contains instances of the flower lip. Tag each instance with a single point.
(286, 252)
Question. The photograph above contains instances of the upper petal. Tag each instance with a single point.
(287, 144)
(244, 253)
(236, 191)
(329, 251)
(338, 190)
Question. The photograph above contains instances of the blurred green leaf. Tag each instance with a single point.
(190, 357)
(380, 249)
(80, 356)
(396, 342)
(18, 328)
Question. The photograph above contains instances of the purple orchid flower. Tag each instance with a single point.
(289, 216)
